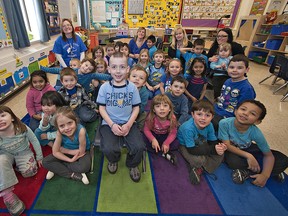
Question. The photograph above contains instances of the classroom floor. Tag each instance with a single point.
(274, 126)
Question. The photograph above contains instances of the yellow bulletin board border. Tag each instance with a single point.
(156, 14)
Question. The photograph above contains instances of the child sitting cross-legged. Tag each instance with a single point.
(178, 99)
(248, 152)
(198, 143)
(160, 128)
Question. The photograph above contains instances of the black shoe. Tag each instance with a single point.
(239, 176)
(170, 157)
(195, 175)
(80, 177)
(112, 167)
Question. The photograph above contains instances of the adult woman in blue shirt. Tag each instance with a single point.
(138, 43)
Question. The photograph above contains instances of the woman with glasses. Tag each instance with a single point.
(179, 40)
(68, 46)
(223, 36)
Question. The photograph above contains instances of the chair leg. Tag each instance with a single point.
(144, 161)
(285, 96)
(92, 158)
(285, 84)
(266, 78)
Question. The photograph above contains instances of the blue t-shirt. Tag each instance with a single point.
(69, 49)
(219, 63)
(242, 140)
(118, 101)
(190, 136)
(155, 74)
(134, 49)
(232, 94)
(195, 86)
(74, 144)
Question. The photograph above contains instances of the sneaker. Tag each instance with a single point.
(135, 174)
(195, 175)
(112, 167)
(49, 175)
(80, 177)
(239, 176)
(281, 177)
(170, 157)
(14, 205)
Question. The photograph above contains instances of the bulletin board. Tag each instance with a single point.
(108, 13)
(196, 13)
(5, 40)
(258, 7)
(156, 13)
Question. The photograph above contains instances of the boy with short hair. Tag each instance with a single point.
(155, 72)
(195, 51)
(109, 51)
(178, 99)
(119, 102)
(151, 41)
(75, 95)
(240, 134)
(198, 143)
(139, 76)
(234, 90)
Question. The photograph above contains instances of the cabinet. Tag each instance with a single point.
(267, 40)
(52, 16)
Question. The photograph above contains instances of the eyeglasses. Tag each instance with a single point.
(222, 36)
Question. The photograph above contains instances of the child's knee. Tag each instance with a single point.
(30, 171)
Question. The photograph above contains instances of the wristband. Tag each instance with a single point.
(112, 125)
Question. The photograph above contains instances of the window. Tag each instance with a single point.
(29, 15)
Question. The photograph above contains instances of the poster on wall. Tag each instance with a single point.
(107, 13)
(5, 40)
(258, 7)
(156, 13)
(197, 13)
(135, 6)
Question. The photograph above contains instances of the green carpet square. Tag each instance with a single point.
(118, 193)
(65, 194)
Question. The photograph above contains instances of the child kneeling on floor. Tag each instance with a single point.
(70, 157)
(247, 159)
(119, 102)
(198, 143)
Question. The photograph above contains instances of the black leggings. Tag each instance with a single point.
(236, 162)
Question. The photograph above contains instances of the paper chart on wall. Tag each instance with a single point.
(98, 11)
(5, 40)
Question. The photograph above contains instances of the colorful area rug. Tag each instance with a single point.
(164, 189)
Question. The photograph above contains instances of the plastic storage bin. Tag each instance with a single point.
(273, 44)
(278, 29)
(270, 59)
(252, 54)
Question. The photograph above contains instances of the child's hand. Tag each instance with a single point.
(39, 162)
(151, 88)
(213, 58)
(43, 136)
(223, 66)
(253, 164)
(117, 130)
(165, 148)
(45, 119)
(37, 117)
(155, 145)
(260, 179)
(156, 87)
(220, 148)
(125, 129)
(75, 157)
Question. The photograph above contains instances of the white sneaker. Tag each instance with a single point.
(84, 179)
(49, 175)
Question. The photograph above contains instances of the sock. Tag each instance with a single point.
(6, 192)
